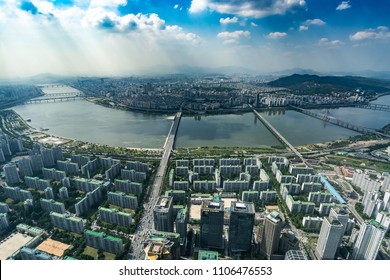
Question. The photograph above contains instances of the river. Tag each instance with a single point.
(86, 121)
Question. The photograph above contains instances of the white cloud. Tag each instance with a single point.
(230, 38)
(381, 32)
(198, 6)
(107, 3)
(315, 21)
(249, 8)
(329, 43)
(254, 24)
(228, 20)
(276, 35)
(2, 16)
(303, 28)
(343, 6)
(234, 35)
(179, 34)
(307, 23)
(230, 42)
(176, 6)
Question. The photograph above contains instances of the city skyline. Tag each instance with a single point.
(119, 37)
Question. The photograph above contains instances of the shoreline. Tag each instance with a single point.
(238, 111)
(66, 140)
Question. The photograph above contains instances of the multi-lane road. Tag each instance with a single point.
(146, 221)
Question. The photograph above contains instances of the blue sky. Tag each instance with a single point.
(119, 37)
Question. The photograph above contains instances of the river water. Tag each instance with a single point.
(86, 121)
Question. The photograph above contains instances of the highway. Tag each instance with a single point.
(146, 221)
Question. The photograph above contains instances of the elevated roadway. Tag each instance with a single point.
(338, 122)
(146, 222)
(278, 135)
(54, 99)
(374, 106)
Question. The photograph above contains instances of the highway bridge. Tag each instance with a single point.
(146, 222)
(278, 135)
(341, 123)
(373, 106)
(54, 99)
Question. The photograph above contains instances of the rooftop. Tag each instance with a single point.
(164, 202)
(53, 247)
(242, 207)
(207, 255)
(212, 205)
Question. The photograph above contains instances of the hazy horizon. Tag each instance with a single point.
(120, 37)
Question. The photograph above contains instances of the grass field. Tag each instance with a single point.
(91, 252)
(358, 163)
(109, 256)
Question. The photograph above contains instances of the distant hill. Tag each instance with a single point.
(311, 84)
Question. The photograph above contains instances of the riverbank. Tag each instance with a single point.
(30, 134)
(115, 105)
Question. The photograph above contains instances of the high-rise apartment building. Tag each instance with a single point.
(368, 241)
(272, 229)
(331, 233)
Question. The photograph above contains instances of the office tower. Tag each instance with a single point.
(11, 174)
(288, 242)
(25, 167)
(163, 214)
(368, 241)
(211, 225)
(242, 218)
(331, 233)
(272, 229)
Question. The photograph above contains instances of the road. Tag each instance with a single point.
(146, 221)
